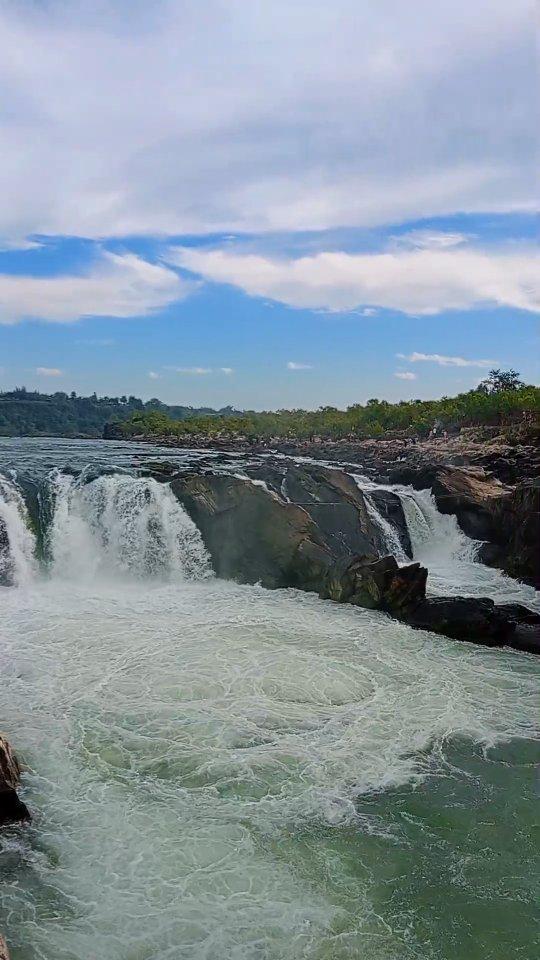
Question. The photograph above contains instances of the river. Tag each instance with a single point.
(221, 772)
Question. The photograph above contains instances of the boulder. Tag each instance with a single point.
(477, 620)
(471, 495)
(12, 810)
(378, 584)
(252, 535)
(4, 952)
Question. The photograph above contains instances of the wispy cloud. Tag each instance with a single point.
(201, 371)
(405, 375)
(293, 365)
(114, 285)
(411, 281)
(152, 375)
(49, 372)
(99, 342)
(443, 361)
(193, 371)
(430, 239)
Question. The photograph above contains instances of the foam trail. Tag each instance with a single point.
(122, 525)
(17, 541)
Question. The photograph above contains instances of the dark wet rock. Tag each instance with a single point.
(253, 536)
(472, 496)
(474, 619)
(378, 584)
(12, 809)
(389, 506)
(517, 524)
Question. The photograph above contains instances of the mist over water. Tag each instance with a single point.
(220, 772)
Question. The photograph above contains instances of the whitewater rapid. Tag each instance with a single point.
(221, 772)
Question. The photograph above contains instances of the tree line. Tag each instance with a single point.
(28, 413)
(502, 399)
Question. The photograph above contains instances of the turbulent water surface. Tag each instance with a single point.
(221, 772)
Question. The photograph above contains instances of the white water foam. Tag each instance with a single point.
(119, 525)
(198, 749)
(17, 541)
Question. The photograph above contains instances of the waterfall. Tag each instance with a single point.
(432, 532)
(388, 534)
(121, 525)
(17, 541)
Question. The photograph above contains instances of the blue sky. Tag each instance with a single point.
(267, 205)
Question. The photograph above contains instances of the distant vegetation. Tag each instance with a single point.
(26, 413)
(502, 400)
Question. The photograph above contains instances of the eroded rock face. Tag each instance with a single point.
(517, 522)
(293, 537)
(472, 496)
(12, 810)
(252, 535)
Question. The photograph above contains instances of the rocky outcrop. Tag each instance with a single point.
(477, 620)
(472, 496)
(4, 952)
(517, 526)
(324, 543)
(256, 535)
(12, 809)
(252, 535)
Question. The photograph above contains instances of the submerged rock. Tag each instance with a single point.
(12, 810)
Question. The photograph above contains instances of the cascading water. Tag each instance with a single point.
(439, 543)
(17, 541)
(389, 535)
(119, 525)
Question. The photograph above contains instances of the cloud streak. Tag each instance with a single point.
(413, 282)
(294, 365)
(113, 286)
(443, 361)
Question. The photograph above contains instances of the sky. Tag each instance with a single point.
(267, 204)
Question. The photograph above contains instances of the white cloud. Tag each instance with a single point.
(186, 117)
(292, 365)
(369, 312)
(227, 371)
(405, 375)
(414, 282)
(194, 371)
(152, 375)
(445, 361)
(113, 286)
(49, 372)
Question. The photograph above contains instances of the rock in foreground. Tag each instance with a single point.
(12, 810)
